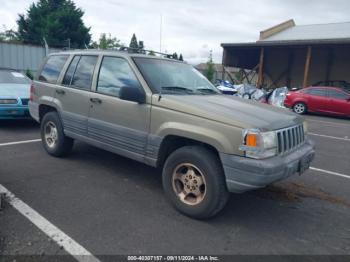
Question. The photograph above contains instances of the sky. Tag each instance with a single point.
(191, 27)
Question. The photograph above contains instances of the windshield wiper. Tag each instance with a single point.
(207, 91)
(177, 88)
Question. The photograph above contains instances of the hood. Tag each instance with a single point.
(14, 90)
(230, 110)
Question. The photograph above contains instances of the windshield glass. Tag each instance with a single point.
(13, 77)
(172, 77)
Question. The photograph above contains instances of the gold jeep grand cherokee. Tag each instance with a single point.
(164, 113)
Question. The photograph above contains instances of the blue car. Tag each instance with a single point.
(14, 94)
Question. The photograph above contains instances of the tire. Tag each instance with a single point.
(300, 108)
(207, 168)
(246, 96)
(52, 136)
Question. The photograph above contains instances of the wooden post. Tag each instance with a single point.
(261, 65)
(307, 66)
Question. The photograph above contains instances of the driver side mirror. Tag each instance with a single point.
(133, 94)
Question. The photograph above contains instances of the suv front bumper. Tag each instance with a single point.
(243, 174)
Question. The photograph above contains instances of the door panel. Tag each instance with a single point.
(317, 99)
(74, 109)
(338, 102)
(74, 94)
(122, 125)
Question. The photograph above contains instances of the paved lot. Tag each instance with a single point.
(113, 205)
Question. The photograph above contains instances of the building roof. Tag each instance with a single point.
(334, 31)
(287, 33)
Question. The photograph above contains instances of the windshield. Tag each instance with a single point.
(13, 77)
(172, 77)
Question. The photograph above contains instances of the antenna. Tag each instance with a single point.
(160, 33)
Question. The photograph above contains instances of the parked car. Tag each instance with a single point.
(166, 114)
(225, 87)
(324, 100)
(14, 94)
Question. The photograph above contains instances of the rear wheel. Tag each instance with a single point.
(194, 181)
(52, 136)
(299, 108)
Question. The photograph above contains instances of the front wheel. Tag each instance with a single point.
(52, 136)
(299, 108)
(194, 181)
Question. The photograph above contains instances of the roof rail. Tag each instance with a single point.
(143, 51)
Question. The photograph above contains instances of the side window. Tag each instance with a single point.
(67, 80)
(316, 92)
(337, 94)
(80, 72)
(115, 73)
(52, 68)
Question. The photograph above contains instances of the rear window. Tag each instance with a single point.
(13, 77)
(52, 68)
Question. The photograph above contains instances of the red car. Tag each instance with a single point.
(317, 99)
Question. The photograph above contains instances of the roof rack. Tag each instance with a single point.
(143, 51)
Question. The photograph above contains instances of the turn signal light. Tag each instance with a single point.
(251, 140)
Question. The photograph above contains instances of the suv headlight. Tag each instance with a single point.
(259, 145)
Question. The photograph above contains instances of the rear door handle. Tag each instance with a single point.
(60, 91)
(96, 100)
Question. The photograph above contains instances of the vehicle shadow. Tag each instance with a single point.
(255, 208)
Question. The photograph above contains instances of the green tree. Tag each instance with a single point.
(210, 70)
(181, 58)
(151, 53)
(175, 56)
(8, 35)
(106, 42)
(59, 21)
(133, 44)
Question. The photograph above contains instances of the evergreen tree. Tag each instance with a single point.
(181, 58)
(133, 44)
(210, 70)
(57, 21)
(175, 56)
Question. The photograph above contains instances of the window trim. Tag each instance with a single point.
(75, 69)
(66, 71)
(99, 70)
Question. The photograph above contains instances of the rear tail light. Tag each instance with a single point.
(31, 92)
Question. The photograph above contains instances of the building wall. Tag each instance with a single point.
(22, 57)
(277, 59)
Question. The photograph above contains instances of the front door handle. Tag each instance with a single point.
(60, 91)
(96, 100)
